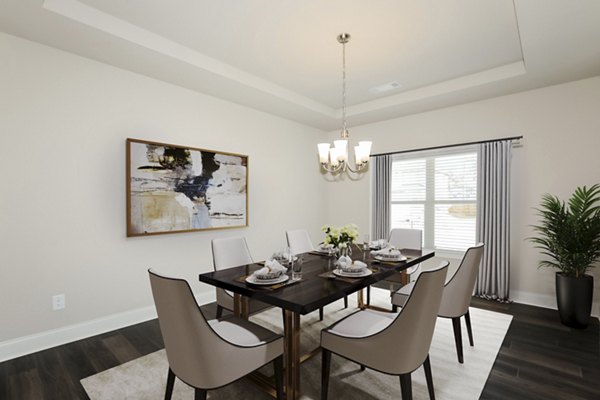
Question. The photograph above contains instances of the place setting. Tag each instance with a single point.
(383, 252)
(348, 270)
(282, 269)
(272, 273)
(324, 249)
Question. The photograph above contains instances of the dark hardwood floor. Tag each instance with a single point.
(539, 359)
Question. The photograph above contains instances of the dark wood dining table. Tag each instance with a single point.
(317, 288)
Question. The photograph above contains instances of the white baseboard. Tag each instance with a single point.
(539, 300)
(44, 340)
(534, 299)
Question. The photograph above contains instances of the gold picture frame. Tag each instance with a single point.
(173, 189)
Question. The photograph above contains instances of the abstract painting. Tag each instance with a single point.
(174, 188)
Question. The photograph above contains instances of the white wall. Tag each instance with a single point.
(63, 124)
(561, 129)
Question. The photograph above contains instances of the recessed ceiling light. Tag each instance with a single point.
(385, 87)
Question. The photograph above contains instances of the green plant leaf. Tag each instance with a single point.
(569, 234)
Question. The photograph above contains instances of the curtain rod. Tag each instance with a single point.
(448, 146)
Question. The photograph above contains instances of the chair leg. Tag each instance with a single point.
(325, 368)
(406, 386)
(321, 314)
(394, 308)
(170, 383)
(219, 311)
(458, 338)
(278, 367)
(469, 331)
(368, 295)
(362, 367)
(200, 394)
(429, 378)
(345, 301)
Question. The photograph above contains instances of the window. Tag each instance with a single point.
(437, 193)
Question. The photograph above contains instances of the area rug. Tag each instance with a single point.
(145, 377)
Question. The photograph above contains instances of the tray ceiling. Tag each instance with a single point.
(282, 57)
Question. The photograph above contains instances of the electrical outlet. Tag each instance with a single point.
(58, 302)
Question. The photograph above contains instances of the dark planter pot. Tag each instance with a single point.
(574, 299)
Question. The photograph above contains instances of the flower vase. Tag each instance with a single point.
(345, 251)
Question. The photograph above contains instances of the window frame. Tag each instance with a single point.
(429, 203)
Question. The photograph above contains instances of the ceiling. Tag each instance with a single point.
(282, 56)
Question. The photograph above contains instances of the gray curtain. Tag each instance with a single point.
(493, 216)
(382, 173)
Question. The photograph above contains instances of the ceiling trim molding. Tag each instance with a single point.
(437, 89)
(117, 27)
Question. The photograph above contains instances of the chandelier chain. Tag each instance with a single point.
(344, 127)
(335, 159)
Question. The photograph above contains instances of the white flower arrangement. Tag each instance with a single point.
(340, 237)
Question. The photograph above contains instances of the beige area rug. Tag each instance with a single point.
(145, 377)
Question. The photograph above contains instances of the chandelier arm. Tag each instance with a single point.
(341, 167)
(359, 167)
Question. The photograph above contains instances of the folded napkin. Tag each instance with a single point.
(325, 247)
(344, 261)
(346, 264)
(378, 244)
(271, 267)
(390, 253)
(274, 266)
(384, 250)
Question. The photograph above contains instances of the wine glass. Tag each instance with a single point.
(366, 242)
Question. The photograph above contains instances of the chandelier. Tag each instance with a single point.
(334, 158)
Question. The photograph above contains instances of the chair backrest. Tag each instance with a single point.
(230, 252)
(403, 345)
(299, 241)
(459, 289)
(406, 238)
(193, 348)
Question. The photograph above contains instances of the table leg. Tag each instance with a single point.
(240, 306)
(291, 329)
(361, 300)
(362, 305)
(237, 304)
(244, 307)
(404, 278)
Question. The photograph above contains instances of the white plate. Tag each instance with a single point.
(399, 259)
(365, 272)
(254, 281)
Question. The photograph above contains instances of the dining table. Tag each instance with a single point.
(319, 286)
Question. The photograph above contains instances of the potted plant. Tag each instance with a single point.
(569, 234)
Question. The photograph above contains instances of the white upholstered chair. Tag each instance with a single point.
(299, 242)
(402, 238)
(392, 343)
(200, 352)
(456, 296)
(406, 238)
(227, 253)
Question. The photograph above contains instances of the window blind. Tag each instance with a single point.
(437, 193)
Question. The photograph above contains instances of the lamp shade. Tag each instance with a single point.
(341, 146)
(334, 157)
(323, 152)
(366, 145)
